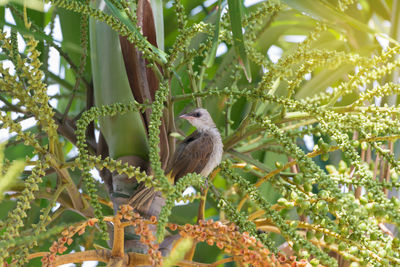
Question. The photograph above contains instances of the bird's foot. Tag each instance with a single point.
(204, 188)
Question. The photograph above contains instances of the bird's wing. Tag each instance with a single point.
(191, 155)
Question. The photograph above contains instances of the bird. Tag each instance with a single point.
(199, 152)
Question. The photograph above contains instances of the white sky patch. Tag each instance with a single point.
(7, 30)
(25, 124)
(53, 209)
(28, 123)
(307, 76)
(9, 17)
(54, 56)
(309, 142)
(274, 53)
(383, 42)
(54, 67)
(90, 264)
(188, 191)
(196, 10)
(53, 89)
(224, 10)
(47, 29)
(21, 43)
(362, 88)
(294, 38)
(329, 90)
(5, 135)
(169, 4)
(62, 72)
(46, 7)
(378, 101)
(53, 102)
(208, 3)
(84, 264)
(96, 175)
(363, 191)
(15, 115)
(221, 49)
(14, 101)
(30, 167)
(248, 3)
(344, 188)
(7, 64)
(264, 69)
(73, 152)
(57, 33)
(102, 5)
(386, 23)
(96, 135)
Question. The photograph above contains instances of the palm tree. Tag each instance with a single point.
(304, 94)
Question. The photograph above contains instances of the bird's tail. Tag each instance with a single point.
(142, 200)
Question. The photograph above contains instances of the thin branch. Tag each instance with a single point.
(11, 106)
(54, 45)
(386, 230)
(78, 201)
(226, 260)
(118, 240)
(130, 259)
(291, 163)
(102, 255)
(37, 255)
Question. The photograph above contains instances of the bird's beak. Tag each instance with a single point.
(186, 117)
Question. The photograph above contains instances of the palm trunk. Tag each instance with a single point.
(120, 74)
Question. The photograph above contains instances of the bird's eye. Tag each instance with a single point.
(196, 114)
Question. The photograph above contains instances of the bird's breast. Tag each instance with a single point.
(216, 154)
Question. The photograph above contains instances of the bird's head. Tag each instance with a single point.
(199, 118)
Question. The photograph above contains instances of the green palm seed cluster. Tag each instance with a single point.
(241, 220)
(192, 179)
(133, 36)
(84, 157)
(26, 86)
(339, 217)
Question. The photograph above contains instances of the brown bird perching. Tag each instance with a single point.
(201, 151)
